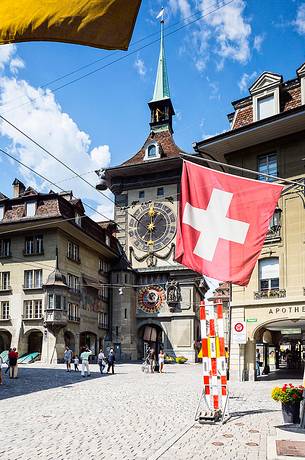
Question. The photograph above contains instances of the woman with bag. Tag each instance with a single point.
(101, 361)
(13, 356)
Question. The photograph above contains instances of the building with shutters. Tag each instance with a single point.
(267, 135)
(54, 271)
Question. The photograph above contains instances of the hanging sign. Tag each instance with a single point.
(239, 332)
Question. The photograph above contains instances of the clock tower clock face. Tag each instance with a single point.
(152, 227)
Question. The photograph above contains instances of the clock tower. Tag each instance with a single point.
(158, 307)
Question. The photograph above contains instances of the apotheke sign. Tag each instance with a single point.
(285, 310)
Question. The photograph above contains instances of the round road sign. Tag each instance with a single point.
(239, 327)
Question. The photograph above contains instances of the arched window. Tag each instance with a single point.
(152, 151)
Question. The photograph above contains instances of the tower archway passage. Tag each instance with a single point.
(280, 349)
(149, 335)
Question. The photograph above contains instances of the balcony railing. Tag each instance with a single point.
(56, 317)
(270, 294)
(30, 287)
(6, 288)
(5, 318)
(33, 253)
(76, 319)
(273, 234)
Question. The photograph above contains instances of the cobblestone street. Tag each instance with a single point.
(50, 414)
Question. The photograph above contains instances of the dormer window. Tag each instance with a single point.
(265, 93)
(1, 212)
(30, 208)
(152, 151)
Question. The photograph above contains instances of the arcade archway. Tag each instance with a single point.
(69, 340)
(5, 340)
(35, 342)
(88, 339)
(280, 349)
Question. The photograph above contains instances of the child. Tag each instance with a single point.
(76, 363)
(161, 361)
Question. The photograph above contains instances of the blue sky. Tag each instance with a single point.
(103, 118)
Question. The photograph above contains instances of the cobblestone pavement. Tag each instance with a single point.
(50, 414)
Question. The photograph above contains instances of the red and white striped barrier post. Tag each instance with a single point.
(213, 355)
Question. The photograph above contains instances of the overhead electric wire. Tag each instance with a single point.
(130, 53)
(52, 183)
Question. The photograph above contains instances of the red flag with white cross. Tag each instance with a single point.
(223, 221)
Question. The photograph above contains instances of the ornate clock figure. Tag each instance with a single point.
(152, 227)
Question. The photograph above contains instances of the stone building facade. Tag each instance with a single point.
(54, 272)
(268, 136)
(160, 302)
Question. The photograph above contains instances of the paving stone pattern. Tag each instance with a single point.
(50, 414)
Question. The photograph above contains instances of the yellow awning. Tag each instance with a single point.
(101, 23)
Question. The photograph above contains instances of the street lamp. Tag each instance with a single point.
(275, 223)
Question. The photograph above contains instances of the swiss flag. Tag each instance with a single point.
(222, 223)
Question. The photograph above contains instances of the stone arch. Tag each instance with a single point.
(34, 340)
(154, 336)
(5, 340)
(69, 340)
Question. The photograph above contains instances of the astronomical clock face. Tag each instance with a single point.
(152, 227)
(150, 298)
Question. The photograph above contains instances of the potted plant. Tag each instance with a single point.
(290, 397)
(181, 359)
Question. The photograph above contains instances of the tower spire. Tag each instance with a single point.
(161, 106)
(161, 90)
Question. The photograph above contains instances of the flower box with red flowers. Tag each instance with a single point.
(290, 396)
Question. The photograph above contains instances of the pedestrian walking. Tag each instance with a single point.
(8, 362)
(151, 359)
(13, 357)
(258, 359)
(86, 353)
(68, 358)
(76, 363)
(101, 361)
(161, 361)
(111, 360)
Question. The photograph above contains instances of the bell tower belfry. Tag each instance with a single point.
(161, 106)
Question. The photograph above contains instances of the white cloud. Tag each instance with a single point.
(15, 64)
(105, 207)
(300, 19)
(245, 80)
(6, 54)
(140, 67)
(258, 41)
(43, 119)
(181, 5)
(222, 34)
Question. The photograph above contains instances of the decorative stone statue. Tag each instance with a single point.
(173, 292)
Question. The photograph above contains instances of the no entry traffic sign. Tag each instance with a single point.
(239, 332)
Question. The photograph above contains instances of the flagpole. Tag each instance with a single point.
(195, 159)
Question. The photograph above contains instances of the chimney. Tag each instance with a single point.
(18, 188)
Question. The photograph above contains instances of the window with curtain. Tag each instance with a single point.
(269, 273)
